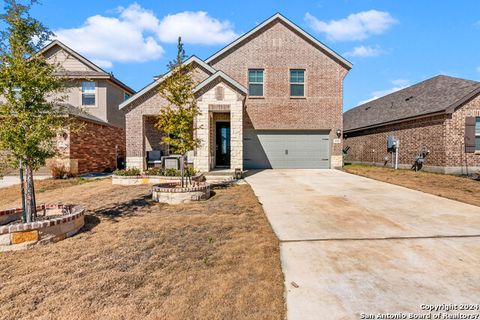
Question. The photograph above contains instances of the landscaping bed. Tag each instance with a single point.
(448, 186)
(138, 259)
(153, 176)
(54, 223)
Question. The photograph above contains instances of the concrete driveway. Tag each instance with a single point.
(352, 245)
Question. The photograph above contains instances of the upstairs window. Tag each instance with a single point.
(477, 134)
(88, 93)
(126, 96)
(297, 83)
(255, 82)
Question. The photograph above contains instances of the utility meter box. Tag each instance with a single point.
(391, 144)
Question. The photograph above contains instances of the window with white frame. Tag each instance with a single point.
(88, 93)
(255, 82)
(297, 83)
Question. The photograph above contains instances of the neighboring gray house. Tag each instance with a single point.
(441, 114)
(92, 98)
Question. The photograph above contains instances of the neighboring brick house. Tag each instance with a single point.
(441, 114)
(270, 99)
(92, 99)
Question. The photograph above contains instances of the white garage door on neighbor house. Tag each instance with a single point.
(278, 149)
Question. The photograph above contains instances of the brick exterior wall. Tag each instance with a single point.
(370, 146)
(443, 135)
(277, 49)
(135, 114)
(93, 148)
(153, 136)
(455, 132)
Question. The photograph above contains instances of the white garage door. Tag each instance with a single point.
(265, 149)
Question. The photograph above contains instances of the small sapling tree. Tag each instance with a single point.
(177, 119)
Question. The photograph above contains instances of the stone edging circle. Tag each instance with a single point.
(153, 177)
(171, 187)
(73, 212)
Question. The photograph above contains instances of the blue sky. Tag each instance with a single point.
(391, 43)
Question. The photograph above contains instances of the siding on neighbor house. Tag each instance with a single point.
(57, 55)
(277, 49)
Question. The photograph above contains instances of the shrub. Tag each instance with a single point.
(127, 172)
(172, 172)
(59, 171)
(154, 172)
(190, 171)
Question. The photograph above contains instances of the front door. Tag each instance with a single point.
(222, 144)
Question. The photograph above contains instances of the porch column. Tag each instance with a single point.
(201, 160)
(236, 135)
(135, 141)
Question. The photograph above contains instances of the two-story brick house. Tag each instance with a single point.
(91, 98)
(270, 99)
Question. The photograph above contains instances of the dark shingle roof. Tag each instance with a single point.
(430, 96)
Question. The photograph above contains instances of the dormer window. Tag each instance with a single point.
(88, 93)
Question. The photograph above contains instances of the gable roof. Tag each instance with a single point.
(75, 54)
(440, 94)
(96, 73)
(277, 16)
(226, 78)
(159, 79)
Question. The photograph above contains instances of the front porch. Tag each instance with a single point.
(220, 130)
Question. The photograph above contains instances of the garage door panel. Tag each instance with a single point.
(286, 149)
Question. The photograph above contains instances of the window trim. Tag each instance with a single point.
(290, 83)
(477, 136)
(262, 83)
(96, 95)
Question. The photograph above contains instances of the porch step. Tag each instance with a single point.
(216, 178)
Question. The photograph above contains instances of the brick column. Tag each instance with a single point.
(201, 161)
(135, 141)
(236, 135)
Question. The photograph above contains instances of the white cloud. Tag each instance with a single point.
(357, 26)
(399, 84)
(364, 52)
(195, 27)
(136, 34)
(128, 38)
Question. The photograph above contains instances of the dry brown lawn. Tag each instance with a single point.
(136, 259)
(447, 186)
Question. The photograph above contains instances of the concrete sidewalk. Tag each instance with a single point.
(352, 245)
(8, 181)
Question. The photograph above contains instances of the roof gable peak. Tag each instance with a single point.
(278, 16)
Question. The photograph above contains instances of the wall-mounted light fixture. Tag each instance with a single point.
(339, 133)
